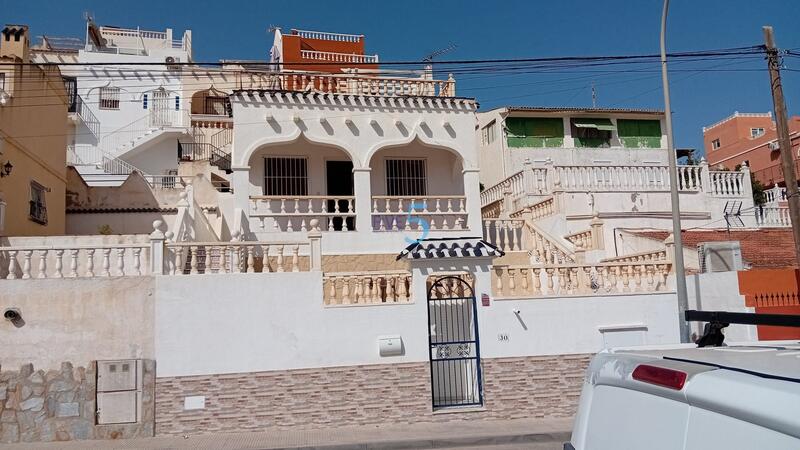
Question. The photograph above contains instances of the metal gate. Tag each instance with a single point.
(454, 345)
(159, 116)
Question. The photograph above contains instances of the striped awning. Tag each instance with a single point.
(439, 248)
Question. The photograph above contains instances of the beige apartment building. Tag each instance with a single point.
(33, 136)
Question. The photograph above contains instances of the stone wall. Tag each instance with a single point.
(544, 386)
(60, 405)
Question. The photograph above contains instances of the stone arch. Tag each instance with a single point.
(289, 139)
(412, 137)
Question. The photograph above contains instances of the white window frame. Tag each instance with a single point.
(756, 132)
(109, 97)
(715, 144)
(39, 192)
(489, 133)
(408, 183)
(283, 185)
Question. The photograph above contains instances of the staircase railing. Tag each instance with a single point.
(222, 138)
(201, 151)
(114, 140)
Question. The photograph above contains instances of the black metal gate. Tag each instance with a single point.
(454, 345)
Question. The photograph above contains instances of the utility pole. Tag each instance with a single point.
(680, 273)
(784, 142)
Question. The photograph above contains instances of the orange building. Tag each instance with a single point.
(751, 138)
(317, 51)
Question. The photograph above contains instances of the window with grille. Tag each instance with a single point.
(406, 177)
(217, 106)
(38, 209)
(285, 176)
(109, 98)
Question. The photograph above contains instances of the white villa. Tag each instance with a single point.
(252, 248)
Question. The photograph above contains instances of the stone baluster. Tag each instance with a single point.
(390, 282)
(265, 258)
(499, 283)
(250, 262)
(345, 290)
(137, 263)
(73, 263)
(42, 264)
(59, 273)
(12, 265)
(106, 262)
(192, 259)
(279, 261)
(402, 291)
(295, 258)
(90, 262)
(207, 249)
(650, 279)
(178, 268)
(523, 272)
(331, 298)
(121, 261)
(512, 284)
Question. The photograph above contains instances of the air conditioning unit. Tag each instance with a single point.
(721, 256)
(171, 63)
(774, 146)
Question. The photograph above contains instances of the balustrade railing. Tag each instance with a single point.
(775, 195)
(78, 261)
(541, 209)
(326, 36)
(581, 239)
(545, 249)
(288, 213)
(367, 288)
(442, 212)
(626, 178)
(726, 183)
(506, 234)
(522, 281)
(201, 151)
(83, 111)
(515, 183)
(647, 256)
(776, 216)
(339, 57)
(351, 84)
(188, 258)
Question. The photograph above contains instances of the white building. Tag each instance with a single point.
(574, 177)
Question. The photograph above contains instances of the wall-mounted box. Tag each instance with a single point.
(390, 345)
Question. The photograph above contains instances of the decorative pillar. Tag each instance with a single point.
(362, 190)
(705, 177)
(157, 239)
(315, 251)
(748, 203)
(473, 205)
(240, 181)
(596, 226)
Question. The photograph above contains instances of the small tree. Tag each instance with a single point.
(759, 196)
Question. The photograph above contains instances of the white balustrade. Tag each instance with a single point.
(339, 57)
(726, 183)
(775, 194)
(506, 234)
(351, 84)
(326, 36)
(288, 214)
(404, 213)
(581, 240)
(515, 184)
(367, 288)
(77, 261)
(190, 258)
(545, 249)
(541, 209)
(773, 217)
(648, 256)
(522, 281)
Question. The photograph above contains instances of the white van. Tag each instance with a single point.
(732, 397)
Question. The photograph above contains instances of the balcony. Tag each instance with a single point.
(338, 57)
(78, 111)
(325, 36)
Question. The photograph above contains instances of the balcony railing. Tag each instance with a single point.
(325, 36)
(294, 213)
(199, 151)
(79, 107)
(367, 288)
(437, 213)
(338, 57)
(351, 84)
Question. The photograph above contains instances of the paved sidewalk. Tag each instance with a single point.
(539, 433)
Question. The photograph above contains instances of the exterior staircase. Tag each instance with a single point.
(104, 165)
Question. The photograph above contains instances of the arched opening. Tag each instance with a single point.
(416, 186)
(295, 182)
(211, 102)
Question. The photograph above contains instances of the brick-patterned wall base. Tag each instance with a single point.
(544, 386)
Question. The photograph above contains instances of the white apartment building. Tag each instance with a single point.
(578, 177)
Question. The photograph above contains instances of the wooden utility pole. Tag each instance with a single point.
(784, 141)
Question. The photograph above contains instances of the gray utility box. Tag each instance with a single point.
(720, 256)
(119, 391)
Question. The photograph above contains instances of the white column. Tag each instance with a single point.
(569, 141)
(240, 180)
(473, 193)
(157, 238)
(362, 190)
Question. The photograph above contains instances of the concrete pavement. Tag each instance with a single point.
(539, 434)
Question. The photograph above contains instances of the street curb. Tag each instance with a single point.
(447, 442)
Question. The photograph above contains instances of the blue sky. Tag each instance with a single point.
(407, 30)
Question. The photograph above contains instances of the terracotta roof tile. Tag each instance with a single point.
(763, 249)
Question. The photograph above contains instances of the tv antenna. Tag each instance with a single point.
(436, 53)
(733, 214)
(594, 96)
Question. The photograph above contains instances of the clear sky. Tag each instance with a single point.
(409, 29)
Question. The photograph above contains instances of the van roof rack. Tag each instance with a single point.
(717, 320)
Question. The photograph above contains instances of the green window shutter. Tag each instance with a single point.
(534, 132)
(639, 133)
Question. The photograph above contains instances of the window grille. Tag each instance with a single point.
(177, 103)
(38, 209)
(286, 176)
(406, 177)
(144, 101)
(109, 98)
(217, 106)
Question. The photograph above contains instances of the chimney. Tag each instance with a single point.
(15, 43)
